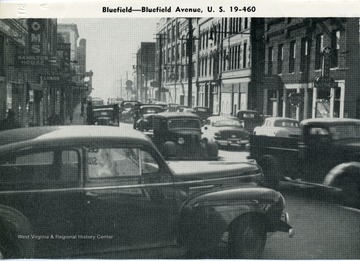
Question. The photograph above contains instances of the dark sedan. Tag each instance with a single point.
(226, 131)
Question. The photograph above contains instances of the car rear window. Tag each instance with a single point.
(184, 124)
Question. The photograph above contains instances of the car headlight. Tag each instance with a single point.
(111, 122)
(181, 141)
(96, 123)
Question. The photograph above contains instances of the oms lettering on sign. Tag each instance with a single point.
(36, 27)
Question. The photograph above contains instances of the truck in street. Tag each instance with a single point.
(327, 154)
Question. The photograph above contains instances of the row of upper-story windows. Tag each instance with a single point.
(234, 58)
(300, 57)
(225, 28)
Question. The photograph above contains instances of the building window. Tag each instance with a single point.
(335, 46)
(246, 23)
(318, 51)
(244, 55)
(206, 64)
(280, 58)
(239, 57)
(210, 65)
(292, 56)
(304, 53)
(270, 60)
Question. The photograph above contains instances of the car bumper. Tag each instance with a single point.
(284, 225)
(232, 142)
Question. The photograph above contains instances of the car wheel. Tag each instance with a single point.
(248, 238)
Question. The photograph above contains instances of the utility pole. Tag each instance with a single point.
(189, 48)
(160, 65)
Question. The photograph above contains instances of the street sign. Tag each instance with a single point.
(129, 83)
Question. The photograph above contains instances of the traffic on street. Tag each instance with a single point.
(201, 138)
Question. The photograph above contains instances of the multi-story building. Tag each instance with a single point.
(224, 64)
(295, 59)
(79, 87)
(145, 71)
(13, 87)
(172, 60)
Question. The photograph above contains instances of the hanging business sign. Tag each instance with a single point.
(35, 35)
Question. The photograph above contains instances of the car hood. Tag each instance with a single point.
(185, 170)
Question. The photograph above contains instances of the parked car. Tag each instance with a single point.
(69, 191)
(144, 120)
(178, 135)
(226, 131)
(103, 115)
(251, 119)
(202, 112)
(279, 127)
(326, 154)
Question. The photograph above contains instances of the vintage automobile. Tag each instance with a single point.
(279, 127)
(144, 120)
(326, 155)
(178, 136)
(202, 112)
(226, 131)
(107, 115)
(251, 119)
(70, 191)
(127, 109)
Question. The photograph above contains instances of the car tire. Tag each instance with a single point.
(247, 238)
(12, 224)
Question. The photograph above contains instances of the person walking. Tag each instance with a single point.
(10, 122)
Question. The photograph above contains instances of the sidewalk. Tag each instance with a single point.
(77, 118)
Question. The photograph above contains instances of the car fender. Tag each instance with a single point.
(13, 224)
(206, 218)
(340, 170)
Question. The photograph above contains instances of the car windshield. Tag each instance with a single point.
(248, 115)
(202, 110)
(221, 123)
(348, 131)
(151, 110)
(103, 113)
(287, 124)
(184, 124)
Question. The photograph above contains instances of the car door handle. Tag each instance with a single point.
(91, 194)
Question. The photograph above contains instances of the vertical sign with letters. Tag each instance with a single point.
(35, 36)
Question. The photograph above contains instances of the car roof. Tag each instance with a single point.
(75, 135)
(280, 118)
(329, 121)
(151, 106)
(222, 118)
(252, 111)
(168, 115)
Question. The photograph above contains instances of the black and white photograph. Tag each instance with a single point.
(228, 135)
